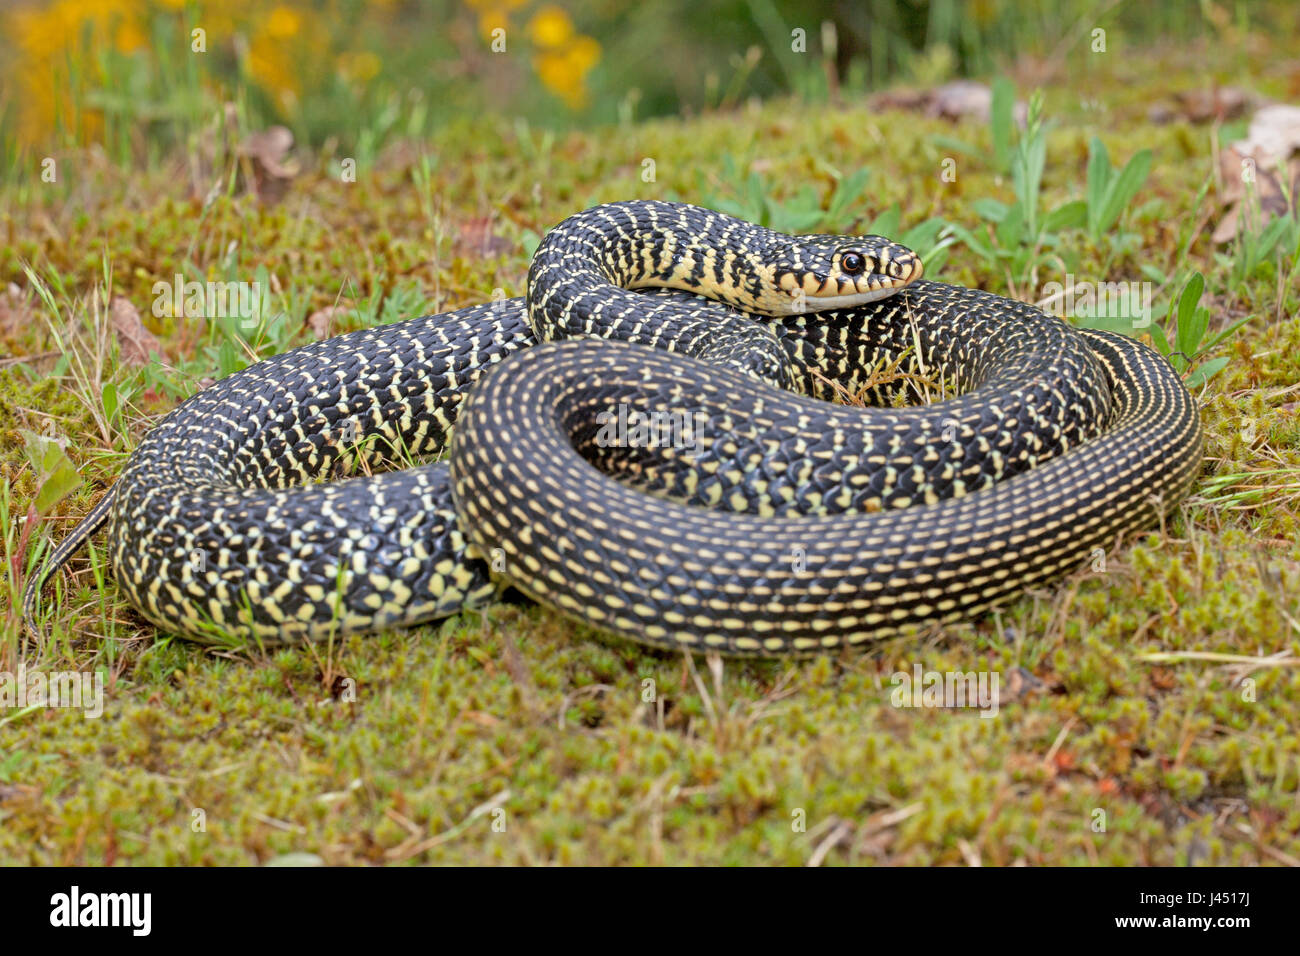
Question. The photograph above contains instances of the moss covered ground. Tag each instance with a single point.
(1148, 709)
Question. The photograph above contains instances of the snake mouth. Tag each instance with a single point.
(848, 294)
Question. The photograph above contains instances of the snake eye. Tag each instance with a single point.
(852, 263)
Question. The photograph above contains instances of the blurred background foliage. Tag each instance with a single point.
(138, 77)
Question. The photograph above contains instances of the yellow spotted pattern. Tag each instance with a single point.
(768, 522)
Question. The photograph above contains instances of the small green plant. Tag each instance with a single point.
(1257, 245)
(1190, 321)
(752, 199)
(1110, 190)
(57, 475)
(1002, 126)
(929, 239)
(1251, 488)
(1018, 236)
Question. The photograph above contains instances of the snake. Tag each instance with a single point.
(645, 443)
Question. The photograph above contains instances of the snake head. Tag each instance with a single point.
(821, 272)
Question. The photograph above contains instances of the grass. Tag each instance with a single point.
(1149, 702)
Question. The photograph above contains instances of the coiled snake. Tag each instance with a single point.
(679, 495)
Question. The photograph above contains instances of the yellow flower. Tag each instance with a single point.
(565, 73)
(283, 23)
(550, 27)
(554, 72)
(129, 37)
(584, 53)
(46, 37)
(269, 66)
(565, 58)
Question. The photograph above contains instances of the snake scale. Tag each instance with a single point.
(653, 453)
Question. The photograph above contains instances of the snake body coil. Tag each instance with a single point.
(1057, 442)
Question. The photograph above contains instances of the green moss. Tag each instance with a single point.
(592, 750)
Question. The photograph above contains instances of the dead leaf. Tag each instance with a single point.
(134, 340)
(1160, 114)
(1255, 169)
(1020, 682)
(1266, 186)
(1221, 103)
(1274, 134)
(1162, 678)
(321, 322)
(267, 155)
(962, 99)
(902, 99)
(958, 100)
(474, 237)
